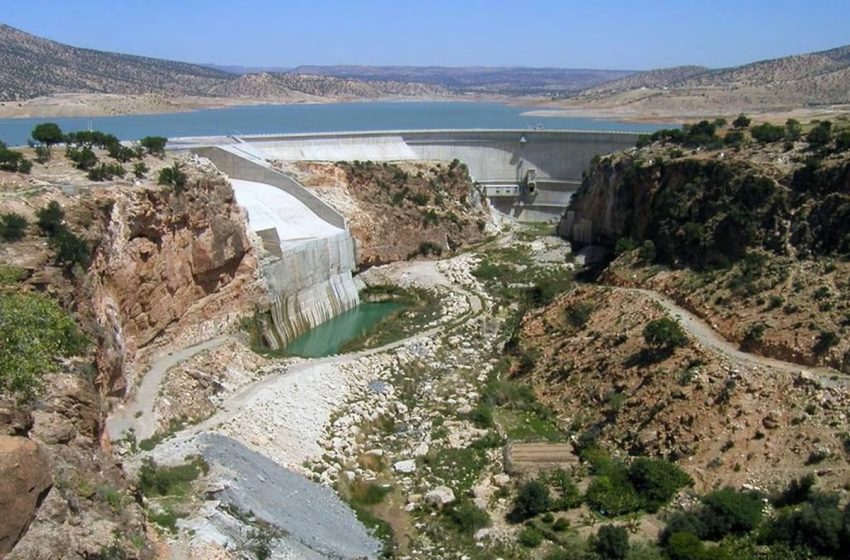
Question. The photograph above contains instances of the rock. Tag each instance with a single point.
(24, 484)
(440, 496)
(481, 534)
(421, 449)
(501, 480)
(407, 466)
(771, 421)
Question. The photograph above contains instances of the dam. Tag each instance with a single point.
(527, 175)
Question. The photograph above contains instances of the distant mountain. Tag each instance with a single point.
(31, 67)
(806, 79)
(502, 80)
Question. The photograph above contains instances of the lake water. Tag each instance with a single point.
(330, 337)
(265, 119)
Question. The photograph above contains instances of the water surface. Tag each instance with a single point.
(267, 119)
(330, 337)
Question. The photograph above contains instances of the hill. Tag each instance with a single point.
(31, 67)
(813, 80)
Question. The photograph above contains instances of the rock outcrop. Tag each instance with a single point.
(167, 263)
(23, 486)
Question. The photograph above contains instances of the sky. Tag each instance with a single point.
(611, 34)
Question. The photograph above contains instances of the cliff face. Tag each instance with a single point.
(168, 269)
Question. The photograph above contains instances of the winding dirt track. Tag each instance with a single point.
(707, 336)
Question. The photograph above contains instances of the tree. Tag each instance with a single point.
(84, 158)
(767, 132)
(842, 141)
(611, 542)
(820, 135)
(13, 161)
(532, 498)
(656, 481)
(50, 218)
(664, 334)
(155, 145)
(48, 134)
(743, 121)
(12, 226)
(139, 169)
(793, 130)
(728, 511)
(174, 177)
(71, 250)
(685, 546)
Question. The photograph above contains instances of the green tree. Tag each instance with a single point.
(664, 334)
(71, 250)
(140, 169)
(728, 511)
(48, 134)
(50, 218)
(742, 121)
(656, 481)
(174, 177)
(13, 161)
(611, 542)
(84, 158)
(155, 145)
(13, 226)
(533, 498)
(767, 132)
(793, 130)
(35, 333)
(820, 135)
(685, 546)
(842, 141)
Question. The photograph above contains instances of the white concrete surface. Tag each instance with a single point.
(270, 207)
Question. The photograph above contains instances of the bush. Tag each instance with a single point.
(611, 542)
(664, 334)
(612, 495)
(767, 132)
(578, 314)
(35, 332)
(842, 141)
(656, 481)
(482, 415)
(647, 251)
(533, 498)
(728, 511)
(793, 130)
(106, 172)
(624, 245)
(155, 145)
(742, 121)
(121, 152)
(71, 250)
(530, 537)
(155, 480)
(84, 158)
(569, 496)
(734, 138)
(140, 169)
(50, 218)
(173, 177)
(685, 546)
(817, 523)
(825, 341)
(13, 161)
(13, 226)
(42, 154)
(468, 518)
(560, 525)
(820, 135)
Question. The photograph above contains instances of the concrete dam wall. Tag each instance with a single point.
(544, 166)
(313, 254)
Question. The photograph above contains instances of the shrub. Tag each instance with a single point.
(647, 251)
(48, 134)
(482, 415)
(817, 523)
(578, 314)
(71, 250)
(734, 138)
(611, 542)
(560, 525)
(842, 141)
(13, 226)
(825, 341)
(140, 169)
(35, 332)
(793, 130)
(155, 480)
(50, 218)
(612, 495)
(530, 537)
(664, 334)
(624, 245)
(106, 172)
(468, 518)
(173, 177)
(798, 491)
(155, 145)
(656, 481)
(121, 152)
(820, 135)
(42, 154)
(742, 121)
(767, 132)
(533, 498)
(685, 546)
(728, 511)
(569, 496)
(84, 158)
(13, 161)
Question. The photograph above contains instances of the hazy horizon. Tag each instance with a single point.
(604, 35)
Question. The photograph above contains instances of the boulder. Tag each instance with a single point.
(24, 484)
(406, 467)
(440, 496)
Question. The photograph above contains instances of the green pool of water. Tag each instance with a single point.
(329, 337)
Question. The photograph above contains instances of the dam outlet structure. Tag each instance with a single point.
(310, 251)
(527, 175)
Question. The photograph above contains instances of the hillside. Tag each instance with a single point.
(500, 80)
(808, 81)
(32, 67)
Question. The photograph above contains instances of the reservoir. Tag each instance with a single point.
(331, 336)
(268, 119)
